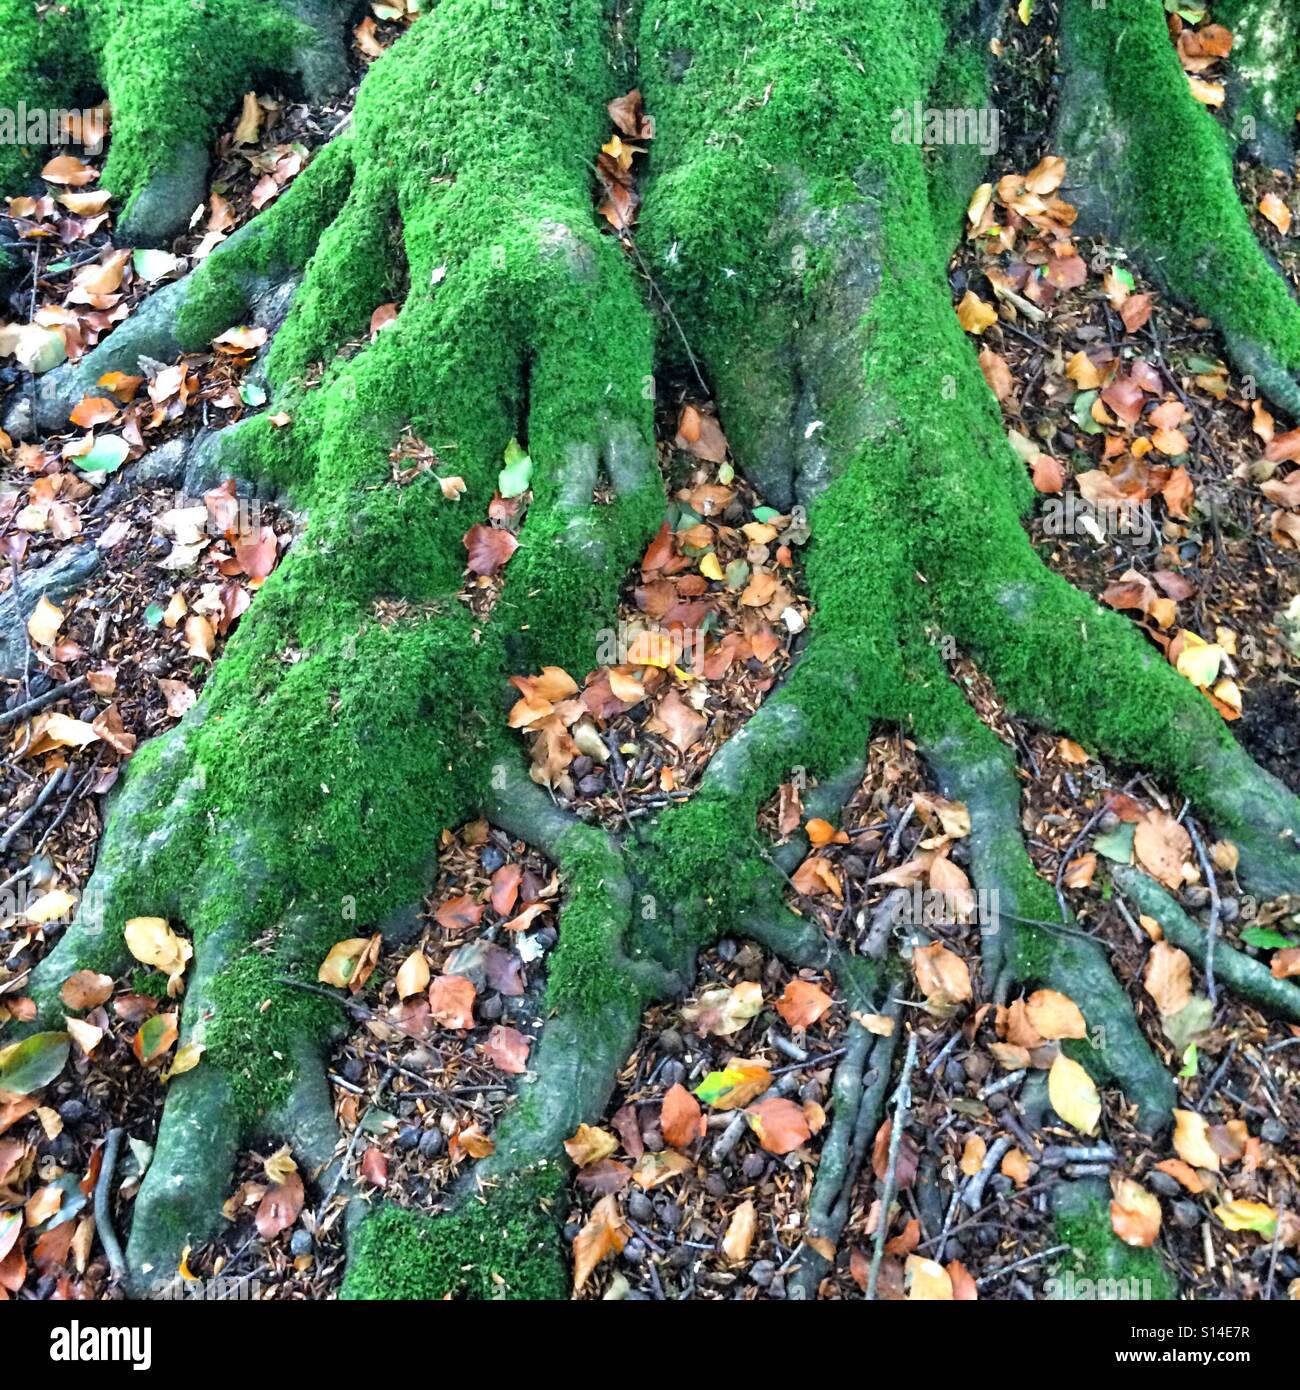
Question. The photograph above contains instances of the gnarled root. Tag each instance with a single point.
(172, 72)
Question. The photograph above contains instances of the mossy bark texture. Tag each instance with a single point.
(804, 253)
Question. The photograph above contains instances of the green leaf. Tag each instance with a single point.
(252, 394)
(33, 1063)
(1082, 412)
(153, 615)
(515, 475)
(766, 514)
(1123, 277)
(1189, 1061)
(1266, 938)
(107, 454)
(156, 1037)
(1117, 844)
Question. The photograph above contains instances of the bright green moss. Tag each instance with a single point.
(350, 718)
(507, 1246)
(1099, 1256)
(174, 72)
(44, 66)
(1182, 210)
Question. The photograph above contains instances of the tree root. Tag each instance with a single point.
(1150, 167)
(1243, 974)
(169, 96)
(858, 1095)
(275, 819)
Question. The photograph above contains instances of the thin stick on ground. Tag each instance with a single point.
(103, 1205)
(902, 1104)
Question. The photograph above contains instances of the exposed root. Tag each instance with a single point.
(858, 1096)
(1243, 974)
(1149, 166)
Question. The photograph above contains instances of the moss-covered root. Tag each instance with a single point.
(502, 1242)
(1150, 167)
(1061, 660)
(1263, 77)
(1242, 974)
(857, 1098)
(1098, 1265)
(1020, 941)
(173, 72)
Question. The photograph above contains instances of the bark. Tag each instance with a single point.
(804, 253)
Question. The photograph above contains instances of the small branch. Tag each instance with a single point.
(1020, 1264)
(103, 1212)
(38, 702)
(1213, 930)
(901, 1106)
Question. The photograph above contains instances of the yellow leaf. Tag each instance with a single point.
(1248, 1216)
(1199, 661)
(1074, 1095)
(740, 1232)
(413, 975)
(974, 314)
(1276, 211)
(280, 1167)
(44, 624)
(1207, 93)
(186, 1059)
(1055, 1015)
(589, 1145)
(710, 568)
(927, 1281)
(50, 906)
(1192, 1140)
(152, 942)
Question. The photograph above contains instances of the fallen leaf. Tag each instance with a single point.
(1168, 977)
(1073, 1095)
(681, 1119)
(740, 1232)
(605, 1233)
(1134, 1212)
(802, 1003)
(451, 1001)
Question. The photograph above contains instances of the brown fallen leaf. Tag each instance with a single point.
(605, 1233)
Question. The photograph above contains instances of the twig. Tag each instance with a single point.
(974, 1193)
(901, 1105)
(46, 792)
(38, 702)
(103, 1214)
(1020, 1264)
(1212, 931)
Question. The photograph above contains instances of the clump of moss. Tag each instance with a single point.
(1111, 1268)
(505, 1243)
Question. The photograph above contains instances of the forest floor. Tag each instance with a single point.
(1109, 392)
